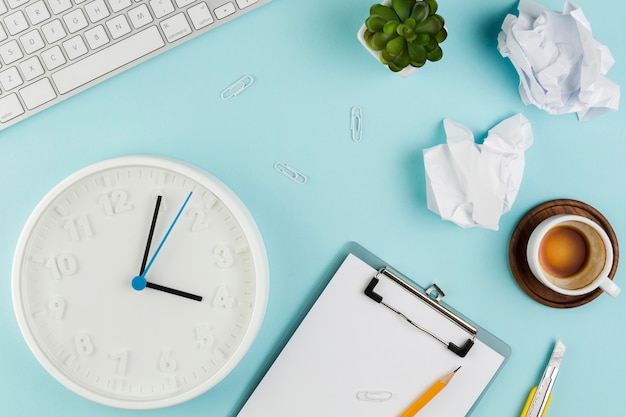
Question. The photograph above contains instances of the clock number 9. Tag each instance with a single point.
(62, 265)
(56, 306)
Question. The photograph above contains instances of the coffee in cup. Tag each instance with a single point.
(571, 255)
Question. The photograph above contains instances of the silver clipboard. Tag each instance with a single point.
(377, 362)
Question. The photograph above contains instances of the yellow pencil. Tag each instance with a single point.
(428, 395)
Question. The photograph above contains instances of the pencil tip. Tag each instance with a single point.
(457, 368)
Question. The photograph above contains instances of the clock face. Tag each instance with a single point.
(123, 344)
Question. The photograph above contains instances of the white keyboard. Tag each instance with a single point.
(53, 49)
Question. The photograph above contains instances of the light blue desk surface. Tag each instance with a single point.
(309, 71)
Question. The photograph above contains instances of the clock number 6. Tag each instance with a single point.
(166, 363)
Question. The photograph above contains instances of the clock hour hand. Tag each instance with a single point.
(139, 282)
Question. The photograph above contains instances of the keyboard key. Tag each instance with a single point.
(118, 26)
(53, 58)
(16, 22)
(31, 68)
(140, 16)
(16, 3)
(38, 93)
(53, 31)
(32, 41)
(117, 5)
(225, 10)
(175, 27)
(183, 3)
(200, 15)
(97, 10)
(10, 52)
(59, 6)
(10, 78)
(75, 20)
(37, 12)
(108, 59)
(96, 37)
(245, 3)
(161, 7)
(10, 108)
(75, 47)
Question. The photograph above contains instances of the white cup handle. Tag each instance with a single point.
(609, 287)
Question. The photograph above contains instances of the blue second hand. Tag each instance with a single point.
(139, 282)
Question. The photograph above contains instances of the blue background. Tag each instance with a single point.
(309, 70)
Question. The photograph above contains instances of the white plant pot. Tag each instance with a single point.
(405, 72)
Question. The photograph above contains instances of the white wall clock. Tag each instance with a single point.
(140, 282)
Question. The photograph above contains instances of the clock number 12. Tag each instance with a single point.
(115, 203)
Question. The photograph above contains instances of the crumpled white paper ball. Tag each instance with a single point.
(560, 65)
(471, 184)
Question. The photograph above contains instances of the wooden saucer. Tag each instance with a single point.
(517, 251)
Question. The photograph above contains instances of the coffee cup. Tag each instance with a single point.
(571, 255)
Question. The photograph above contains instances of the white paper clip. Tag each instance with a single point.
(291, 173)
(356, 123)
(237, 87)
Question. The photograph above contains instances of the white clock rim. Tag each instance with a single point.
(240, 212)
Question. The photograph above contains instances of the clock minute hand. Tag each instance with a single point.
(169, 230)
(139, 282)
(150, 234)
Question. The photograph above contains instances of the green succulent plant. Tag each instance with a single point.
(406, 33)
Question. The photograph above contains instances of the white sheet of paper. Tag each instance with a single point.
(348, 345)
(560, 64)
(473, 185)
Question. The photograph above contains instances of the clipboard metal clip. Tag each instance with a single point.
(432, 299)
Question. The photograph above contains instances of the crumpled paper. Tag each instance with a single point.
(560, 65)
(472, 184)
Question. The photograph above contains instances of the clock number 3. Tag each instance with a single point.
(223, 256)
